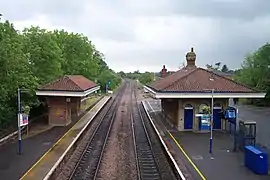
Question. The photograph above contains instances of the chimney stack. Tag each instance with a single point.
(191, 58)
(163, 72)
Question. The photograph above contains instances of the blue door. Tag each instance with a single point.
(217, 118)
(188, 118)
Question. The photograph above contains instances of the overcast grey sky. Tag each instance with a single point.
(146, 34)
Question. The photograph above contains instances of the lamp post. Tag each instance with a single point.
(211, 120)
(19, 125)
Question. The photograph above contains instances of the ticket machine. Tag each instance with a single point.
(230, 115)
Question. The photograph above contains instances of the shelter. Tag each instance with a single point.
(64, 96)
(185, 92)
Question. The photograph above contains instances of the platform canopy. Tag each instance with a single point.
(195, 82)
(69, 86)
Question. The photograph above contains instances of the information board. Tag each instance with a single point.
(23, 119)
(205, 122)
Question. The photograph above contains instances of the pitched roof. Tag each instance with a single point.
(69, 83)
(197, 80)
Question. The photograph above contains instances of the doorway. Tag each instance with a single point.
(188, 117)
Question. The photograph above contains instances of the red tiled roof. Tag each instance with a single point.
(197, 80)
(69, 83)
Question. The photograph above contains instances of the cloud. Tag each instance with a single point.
(145, 35)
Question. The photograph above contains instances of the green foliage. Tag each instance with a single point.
(146, 78)
(206, 109)
(106, 76)
(135, 75)
(122, 74)
(15, 71)
(255, 72)
(45, 56)
(36, 56)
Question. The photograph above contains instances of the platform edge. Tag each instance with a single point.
(48, 175)
(164, 145)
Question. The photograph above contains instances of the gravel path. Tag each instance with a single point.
(118, 159)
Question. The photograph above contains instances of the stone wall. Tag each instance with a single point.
(59, 111)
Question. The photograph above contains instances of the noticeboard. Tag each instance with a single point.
(23, 119)
(205, 122)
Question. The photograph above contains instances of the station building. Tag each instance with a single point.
(64, 96)
(184, 93)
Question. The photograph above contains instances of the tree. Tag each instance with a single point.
(255, 70)
(146, 78)
(122, 74)
(106, 76)
(45, 56)
(224, 68)
(215, 67)
(37, 56)
(79, 55)
(14, 72)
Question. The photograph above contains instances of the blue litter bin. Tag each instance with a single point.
(256, 160)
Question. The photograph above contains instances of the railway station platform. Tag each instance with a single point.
(191, 151)
(42, 151)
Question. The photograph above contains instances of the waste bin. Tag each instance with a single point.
(256, 160)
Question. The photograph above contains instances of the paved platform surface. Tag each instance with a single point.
(188, 171)
(13, 166)
(261, 116)
(194, 158)
(225, 165)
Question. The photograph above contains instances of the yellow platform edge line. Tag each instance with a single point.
(188, 158)
(183, 151)
(38, 161)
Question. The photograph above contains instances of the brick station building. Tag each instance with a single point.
(185, 92)
(63, 97)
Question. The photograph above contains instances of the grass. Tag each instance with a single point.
(88, 102)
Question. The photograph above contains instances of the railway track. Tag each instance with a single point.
(147, 166)
(89, 161)
(92, 159)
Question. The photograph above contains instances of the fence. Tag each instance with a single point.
(242, 136)
(246, 134)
